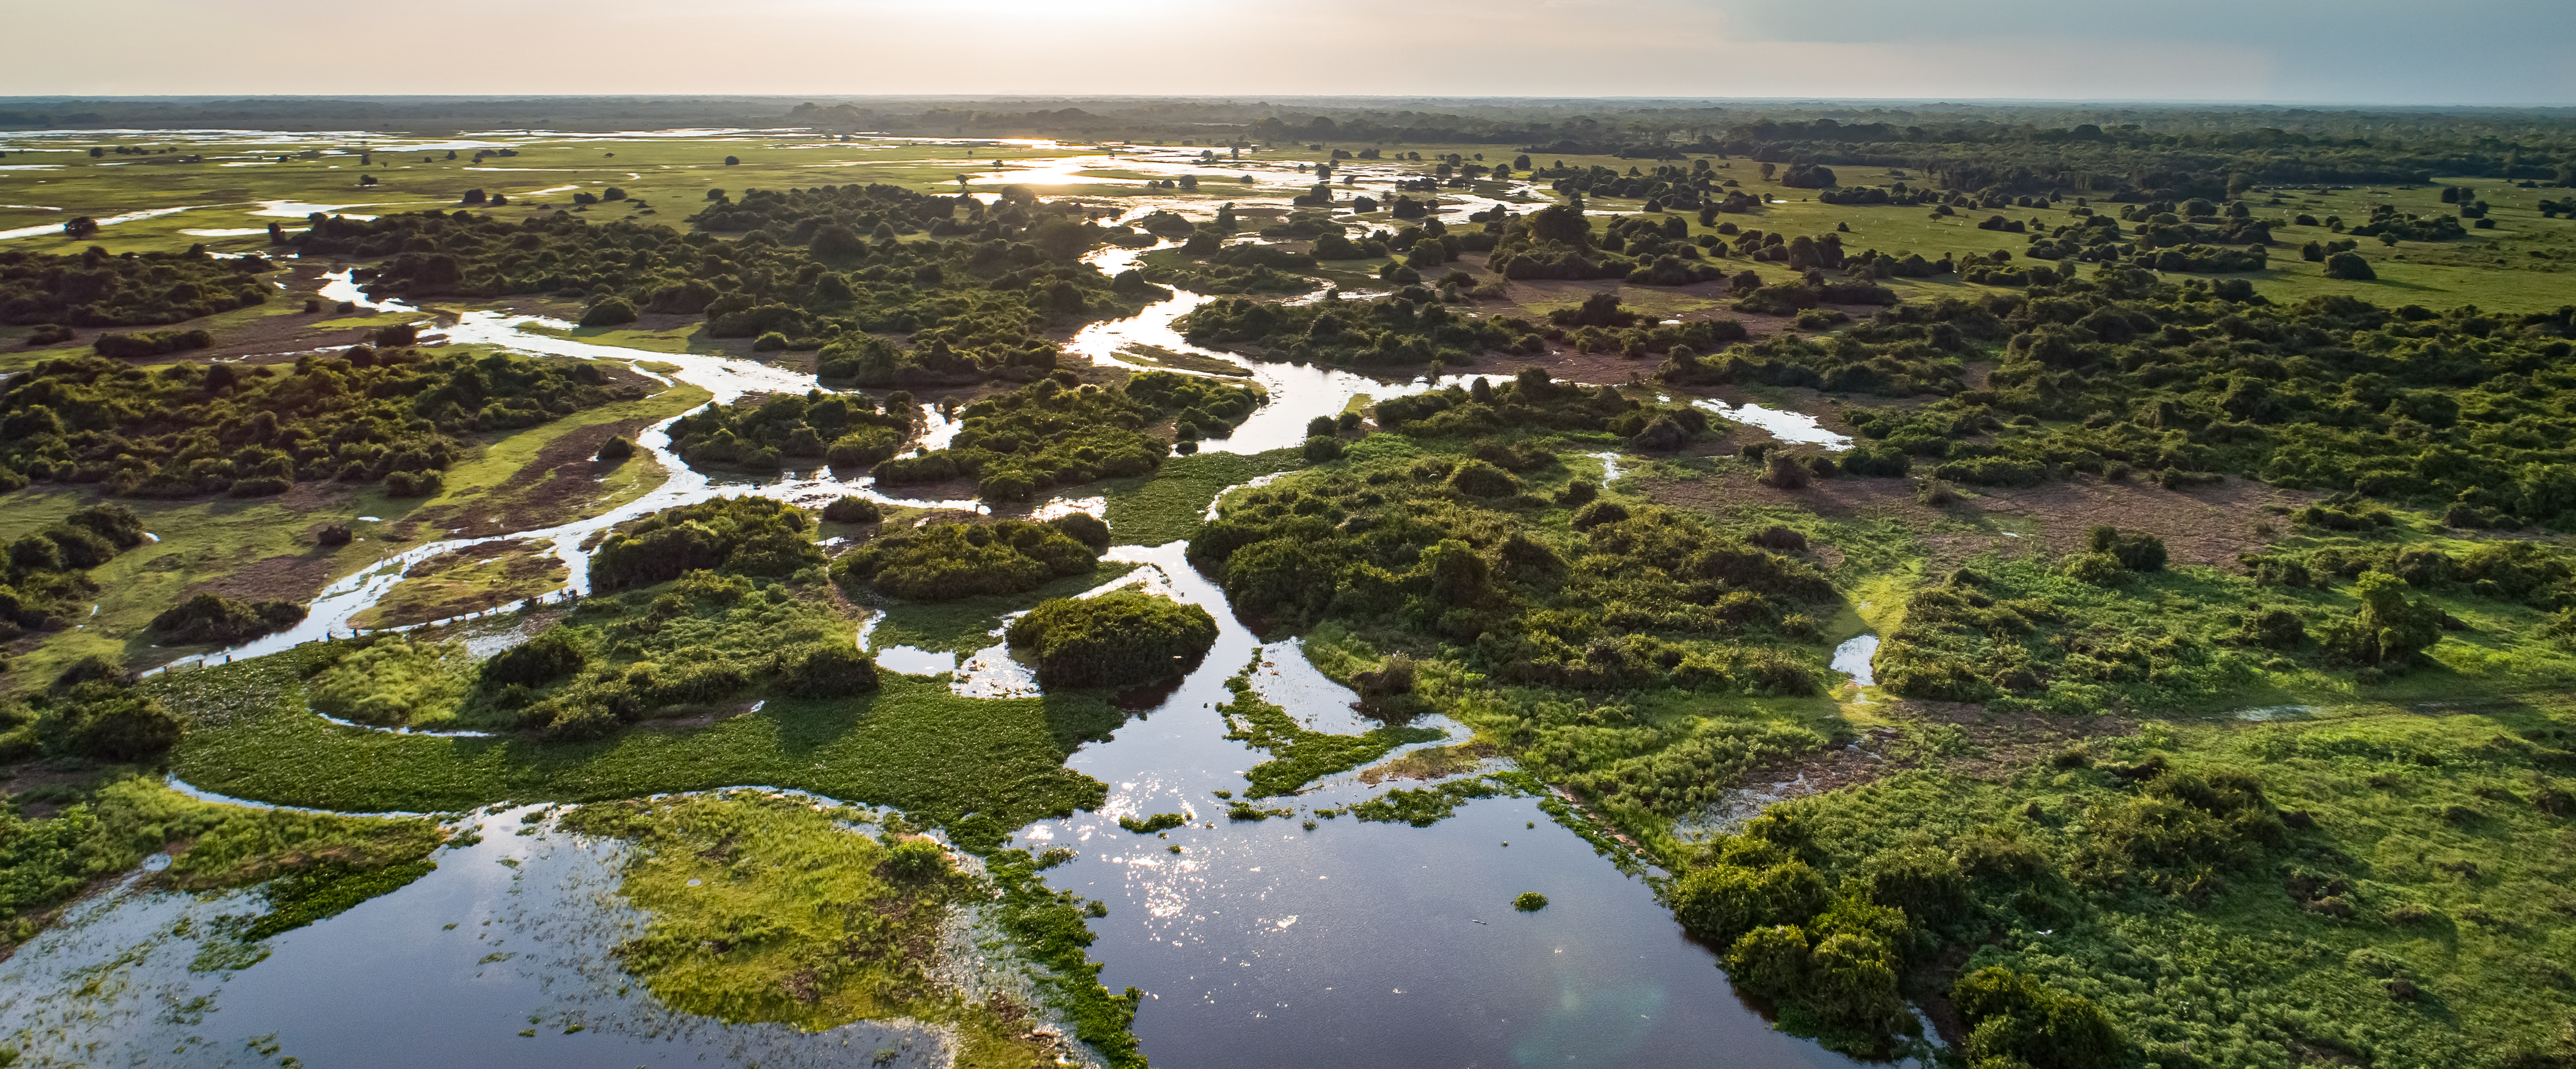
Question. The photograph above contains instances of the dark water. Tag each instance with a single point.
(1358, 945)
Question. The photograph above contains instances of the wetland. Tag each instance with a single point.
(807, 596)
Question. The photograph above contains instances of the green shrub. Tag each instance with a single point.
(1720, 903)
(745, 536)
(2136, 551)
(609, 312)
(848, 509)
(955, 560)
(212, 619)
(827, 670)
(550, 656)
(2012, 1017)
(1121, 638)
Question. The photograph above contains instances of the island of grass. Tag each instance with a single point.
(849, 925)
(1123, 638)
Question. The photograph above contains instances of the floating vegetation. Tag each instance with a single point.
(1299, 756)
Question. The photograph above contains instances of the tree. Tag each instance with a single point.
(1766, 172)
(733, 161)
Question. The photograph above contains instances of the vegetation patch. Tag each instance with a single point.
(947, 561)
(1122, 638)
(975, 767)
(473, 579)
(767, 908)
(1299, 756)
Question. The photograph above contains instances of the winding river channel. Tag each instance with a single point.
(1259, 944)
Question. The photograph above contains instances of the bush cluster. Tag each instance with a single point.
(2448, 410)
(212, 619)
(1118, 639)
(363, 415)
(762, 433)
(1047, 435)
(750, 536)
(707, 638)
(96, 289)
(819, 268)
(946, 561)
(46, 582)
(1458, 551)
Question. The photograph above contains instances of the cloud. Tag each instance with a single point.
(2376, 51)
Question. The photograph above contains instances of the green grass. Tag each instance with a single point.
(767, 908)
(2433, 824)
(1169, 505)
(980, 767)
(113, 817)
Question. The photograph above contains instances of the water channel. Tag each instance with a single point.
(1258, 944)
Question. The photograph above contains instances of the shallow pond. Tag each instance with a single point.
(510, 934)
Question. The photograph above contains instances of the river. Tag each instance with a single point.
(1258, 944)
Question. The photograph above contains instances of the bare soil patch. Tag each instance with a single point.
(2209, 525)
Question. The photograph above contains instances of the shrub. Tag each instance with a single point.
(541, 660)
(212, 619)
(957, 560)
(106, 721)
(1529, 902)
(1721, 903)
(2136, 551)
(744, 536)
(1122, 638)
(2390, 630)
(827, 670)
(2350, 267)
(609, 312)
(616, 448)
(1321, 449)
(852, 509)
(1477, 478)
(2013, 1018)
(150, 343)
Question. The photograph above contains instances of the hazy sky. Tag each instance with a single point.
(2334, 51)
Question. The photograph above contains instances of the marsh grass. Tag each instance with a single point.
(1300, 756)
(978, 767)
(767, 908)
(110, 825)
(1170, 505)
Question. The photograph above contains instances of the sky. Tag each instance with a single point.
(2292, 51)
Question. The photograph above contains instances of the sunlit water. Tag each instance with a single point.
(514, 933)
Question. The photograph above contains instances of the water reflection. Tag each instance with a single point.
(514, 933)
